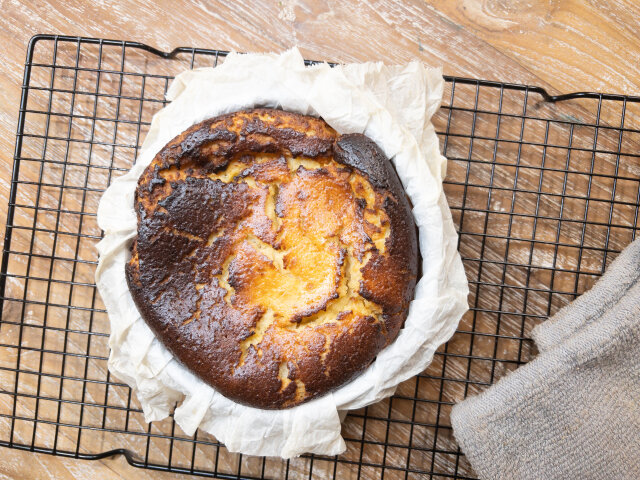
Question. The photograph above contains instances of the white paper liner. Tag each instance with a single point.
(393, 106)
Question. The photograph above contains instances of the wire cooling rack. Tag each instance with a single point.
(544, 192)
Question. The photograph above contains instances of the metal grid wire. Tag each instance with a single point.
(544, 192)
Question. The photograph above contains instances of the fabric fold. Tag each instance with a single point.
(574, 411)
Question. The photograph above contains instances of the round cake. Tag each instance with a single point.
(274, 257)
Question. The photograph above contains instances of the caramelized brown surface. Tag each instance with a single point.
(274, 257)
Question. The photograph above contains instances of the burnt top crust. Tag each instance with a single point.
(274, 257)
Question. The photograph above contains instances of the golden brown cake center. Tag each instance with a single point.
(274, 257)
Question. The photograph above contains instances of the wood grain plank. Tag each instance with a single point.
(572, 45)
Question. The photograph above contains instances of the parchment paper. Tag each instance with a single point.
(393, 106)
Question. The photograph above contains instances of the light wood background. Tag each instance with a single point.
(563, 46)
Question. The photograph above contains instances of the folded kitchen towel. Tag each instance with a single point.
(574, 411)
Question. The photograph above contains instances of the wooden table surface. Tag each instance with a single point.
(563, 46)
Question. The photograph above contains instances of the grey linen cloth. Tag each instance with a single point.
(574, 411)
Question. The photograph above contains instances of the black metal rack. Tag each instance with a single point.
(544, 191)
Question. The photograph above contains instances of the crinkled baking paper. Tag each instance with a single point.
(392, 105)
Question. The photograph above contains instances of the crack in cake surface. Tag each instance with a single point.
(266, 320)
(342, 300)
